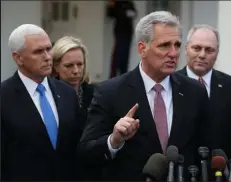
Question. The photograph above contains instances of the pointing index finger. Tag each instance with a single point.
(132, 111)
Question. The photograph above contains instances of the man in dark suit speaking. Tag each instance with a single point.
(201, 51)
(39, 115)
(144, 111)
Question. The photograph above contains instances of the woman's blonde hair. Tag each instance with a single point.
(65, 44)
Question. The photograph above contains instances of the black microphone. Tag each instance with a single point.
(230, 170)
(155, 167)
(193, 171)
(204, 153)
(180, 169)
(172, 155)
(218, 164)
(220, 152)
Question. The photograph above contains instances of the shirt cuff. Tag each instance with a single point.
(113, 151)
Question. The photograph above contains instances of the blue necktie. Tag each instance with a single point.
(48, 115)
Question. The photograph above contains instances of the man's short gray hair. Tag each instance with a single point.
(17, 37)
(144, 28)
(203, 26)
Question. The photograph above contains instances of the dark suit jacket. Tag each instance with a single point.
(86, 172)
(219, 130)
(26, 151)
(113, 99)
(88, 90)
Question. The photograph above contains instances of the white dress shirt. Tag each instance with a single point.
(206, 78)
(167, 97)
(31, 88)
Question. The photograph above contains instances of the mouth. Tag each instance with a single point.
(199, 63)
(170, 63)
(47, 67)
(75, 79)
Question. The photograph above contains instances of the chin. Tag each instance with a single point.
(169, 71)
(47, 73)
(74, 84)
(200, 69)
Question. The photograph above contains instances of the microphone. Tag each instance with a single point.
(193, 171)
(220, 152)
(180, 169)
(204, 152)
(155, 167)
(218, 164)
(172, 155)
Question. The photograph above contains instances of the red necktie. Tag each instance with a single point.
(201, 80)
(160, 117)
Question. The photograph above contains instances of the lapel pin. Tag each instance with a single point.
(219, 85)
(181, 94)
(58, 96)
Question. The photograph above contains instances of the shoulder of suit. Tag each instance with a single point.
(114, 83)
(8, 83)
(185, 80)
(222, 75)
(59, 84)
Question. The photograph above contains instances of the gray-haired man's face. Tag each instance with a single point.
(160, 58)
(36, 57)
(202, 51)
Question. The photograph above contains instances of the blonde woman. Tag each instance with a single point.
(70, 65)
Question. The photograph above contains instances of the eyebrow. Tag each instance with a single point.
(199, 45)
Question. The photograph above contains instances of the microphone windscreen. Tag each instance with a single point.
(203, 152)
(172, 153)
(219, 152)
(155, 167)
(218, 163)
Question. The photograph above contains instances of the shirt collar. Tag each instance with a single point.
(32, 85)
(149, 83)
(206, 77)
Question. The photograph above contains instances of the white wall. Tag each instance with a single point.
(196, 12)
(224, 27)
(186, 13)
(13, 14)
(90, 29)
(96, 30)
(205, 12)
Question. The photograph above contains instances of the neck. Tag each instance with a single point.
(37, 79)
(198, 73)
(77, 87)
(155, 76)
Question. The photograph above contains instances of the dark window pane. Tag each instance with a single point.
(65, 11)
(55, 11)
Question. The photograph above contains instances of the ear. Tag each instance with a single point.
(142, 48)
(17, 58)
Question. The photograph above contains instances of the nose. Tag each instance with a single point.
(174, 52)
(75, 69)
(202, 54)
(47, 55)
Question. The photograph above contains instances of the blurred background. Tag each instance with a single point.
(88, 20)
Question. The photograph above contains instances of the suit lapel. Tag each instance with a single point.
(178, 100)
(57, 99)
(216, 88)
(184, 71)
(144, 113)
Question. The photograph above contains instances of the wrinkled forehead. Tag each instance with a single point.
(37, 40)
(204, 37)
